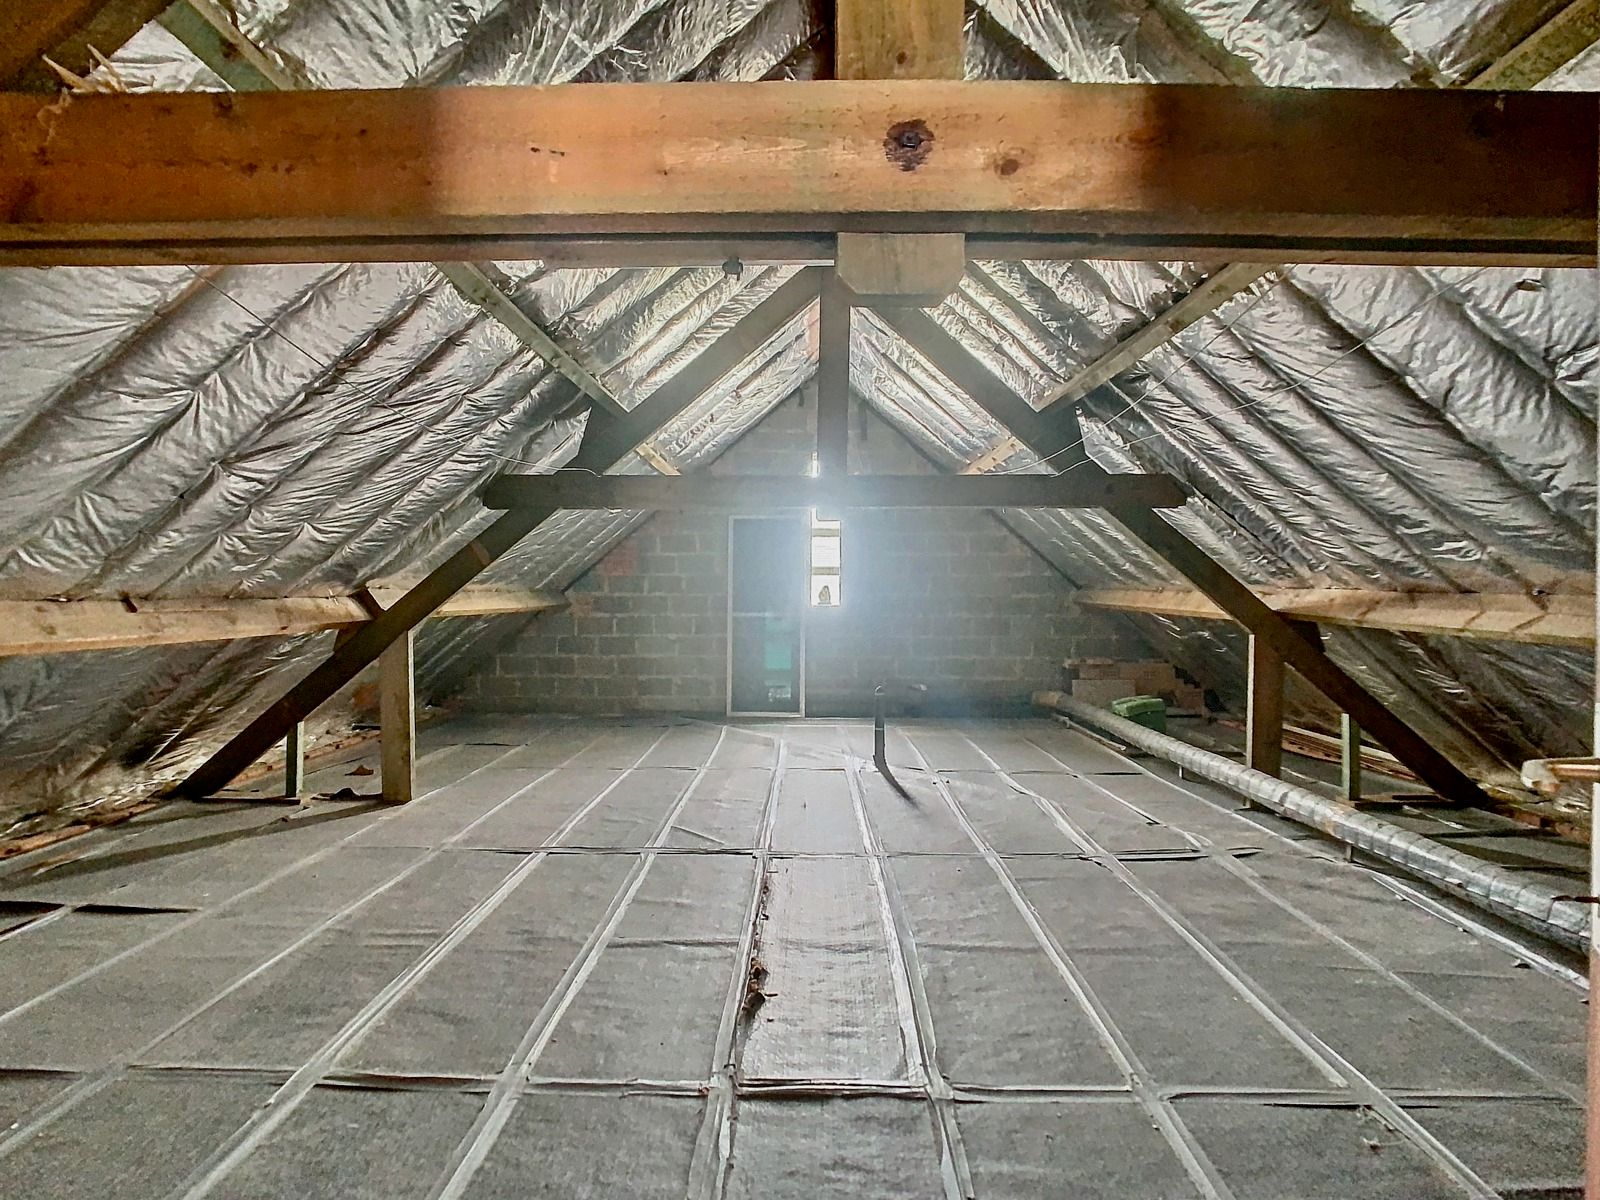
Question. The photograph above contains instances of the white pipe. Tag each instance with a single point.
(1530, 903)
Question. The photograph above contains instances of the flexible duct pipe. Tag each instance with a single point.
(1532, 904)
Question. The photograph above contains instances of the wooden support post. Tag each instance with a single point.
(1264, 717)
(294, 761)
(605, 443)
(1349, 758)
(833, 380)
(397, 718)
(1291, 641)
(900, 39)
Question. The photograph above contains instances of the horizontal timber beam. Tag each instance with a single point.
(724, 493)
(1228, 172)
(70, 626)
(1562, 620)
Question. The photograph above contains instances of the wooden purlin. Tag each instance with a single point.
(35, 627)
(1566, 619)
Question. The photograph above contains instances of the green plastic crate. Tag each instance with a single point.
(1149, 711)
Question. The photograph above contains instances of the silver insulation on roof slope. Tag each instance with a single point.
(268, 431)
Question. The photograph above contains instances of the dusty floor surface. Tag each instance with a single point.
(681, 959)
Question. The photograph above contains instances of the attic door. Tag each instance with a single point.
(766, 611)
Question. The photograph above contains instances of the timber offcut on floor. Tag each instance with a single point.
(683, 959)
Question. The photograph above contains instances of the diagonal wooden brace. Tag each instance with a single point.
(1303, 654)
(606, 441)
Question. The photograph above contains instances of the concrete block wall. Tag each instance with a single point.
(950, 599)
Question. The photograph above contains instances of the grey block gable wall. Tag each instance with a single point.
(946, 598)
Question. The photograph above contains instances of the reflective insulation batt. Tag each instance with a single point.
(269, 431)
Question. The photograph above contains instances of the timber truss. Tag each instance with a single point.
(882, 183)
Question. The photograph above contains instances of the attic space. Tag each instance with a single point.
(788, 598)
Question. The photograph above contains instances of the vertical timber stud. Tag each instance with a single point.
(1349, 758)
(833, 380)
(397, 718)
(1591, 1168)
(294, 761)
(900, 39)
(1264, 717)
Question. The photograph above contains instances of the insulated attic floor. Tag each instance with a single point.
(678, 959)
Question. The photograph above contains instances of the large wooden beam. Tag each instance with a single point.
(1245, 171)
(1288, 642)
(1559, 620)
(29, 627)
(1088, 488)
(606, 442)
(64, 30)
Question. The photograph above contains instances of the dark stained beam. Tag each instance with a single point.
(1088, 488)
(606, 442)
(833, 378)
(64, 30)
(1287, 638)
(1273, 632)
(1232, 172)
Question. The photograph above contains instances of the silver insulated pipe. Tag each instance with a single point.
(1530, 903)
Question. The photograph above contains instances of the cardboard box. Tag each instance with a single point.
(1102, 691)
(1094, 668)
